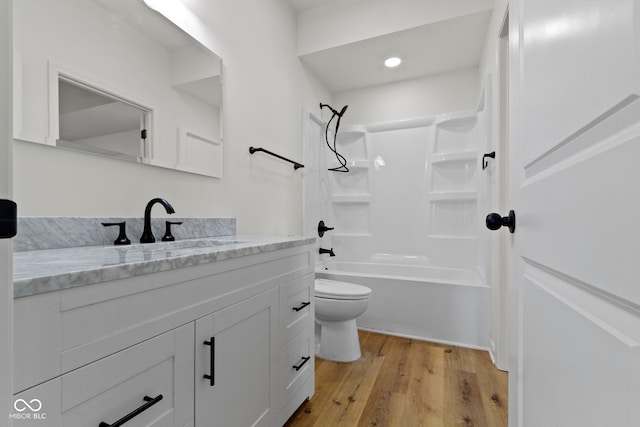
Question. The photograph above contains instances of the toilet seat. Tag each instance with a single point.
(334, 289)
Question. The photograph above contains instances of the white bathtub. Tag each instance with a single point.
(430, 303)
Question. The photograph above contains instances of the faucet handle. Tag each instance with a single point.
(322, 228)
(122, 236)
(168, 237)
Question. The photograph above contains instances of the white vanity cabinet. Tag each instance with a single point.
(220, 342)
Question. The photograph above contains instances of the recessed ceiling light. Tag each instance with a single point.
(392, 62)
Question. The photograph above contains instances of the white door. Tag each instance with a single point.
(6, 277)
(575, 144)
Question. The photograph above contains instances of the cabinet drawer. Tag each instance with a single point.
(296, 306)
(297, 363)
(111, 388)
(154, 375)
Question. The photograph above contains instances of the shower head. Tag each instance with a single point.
(339, 114)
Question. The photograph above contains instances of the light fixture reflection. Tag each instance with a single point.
(392, 62)
(173, 9)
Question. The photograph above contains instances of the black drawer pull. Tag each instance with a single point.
(303, 305)
(212, 362)
(150, 402)
(301, 364)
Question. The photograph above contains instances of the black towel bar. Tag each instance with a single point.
(296, 165)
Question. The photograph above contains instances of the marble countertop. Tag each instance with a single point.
(50, 270)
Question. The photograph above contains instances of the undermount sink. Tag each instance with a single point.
(184, 244)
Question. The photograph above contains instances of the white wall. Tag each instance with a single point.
(264, 86)
(413, 98)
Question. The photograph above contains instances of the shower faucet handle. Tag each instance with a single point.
(322, 228)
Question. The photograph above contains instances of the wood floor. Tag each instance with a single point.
(400, 382)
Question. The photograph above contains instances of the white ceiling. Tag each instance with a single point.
(302, 5)
(434, 48)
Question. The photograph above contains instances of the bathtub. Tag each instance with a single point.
(446, 305)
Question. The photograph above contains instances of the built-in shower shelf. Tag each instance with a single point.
(458, 122)
(452, 196)
(454, 157)
(351, 198)
(348, 136)
(355, 164)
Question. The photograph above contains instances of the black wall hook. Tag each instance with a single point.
(484, 159)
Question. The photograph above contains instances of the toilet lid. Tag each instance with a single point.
(334, 289)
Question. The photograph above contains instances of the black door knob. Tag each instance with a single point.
(494, 221)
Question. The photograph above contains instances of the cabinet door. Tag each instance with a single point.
(234, 363)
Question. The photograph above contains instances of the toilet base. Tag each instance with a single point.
(339, 341)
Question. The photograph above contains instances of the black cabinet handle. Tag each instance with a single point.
(301, 306)
(150, 402)
(212, 362)
(301, 364)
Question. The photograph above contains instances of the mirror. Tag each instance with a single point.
(117, 79)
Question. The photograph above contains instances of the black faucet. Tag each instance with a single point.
(147, 234)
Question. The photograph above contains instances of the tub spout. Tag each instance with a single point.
(327, 251)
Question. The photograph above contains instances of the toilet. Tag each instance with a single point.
(337, 306)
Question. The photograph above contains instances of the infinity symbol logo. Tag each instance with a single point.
(21, 403)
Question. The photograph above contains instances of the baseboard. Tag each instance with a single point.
(415, 337)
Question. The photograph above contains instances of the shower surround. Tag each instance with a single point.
(409, 221)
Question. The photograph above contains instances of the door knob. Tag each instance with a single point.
(494, 221)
